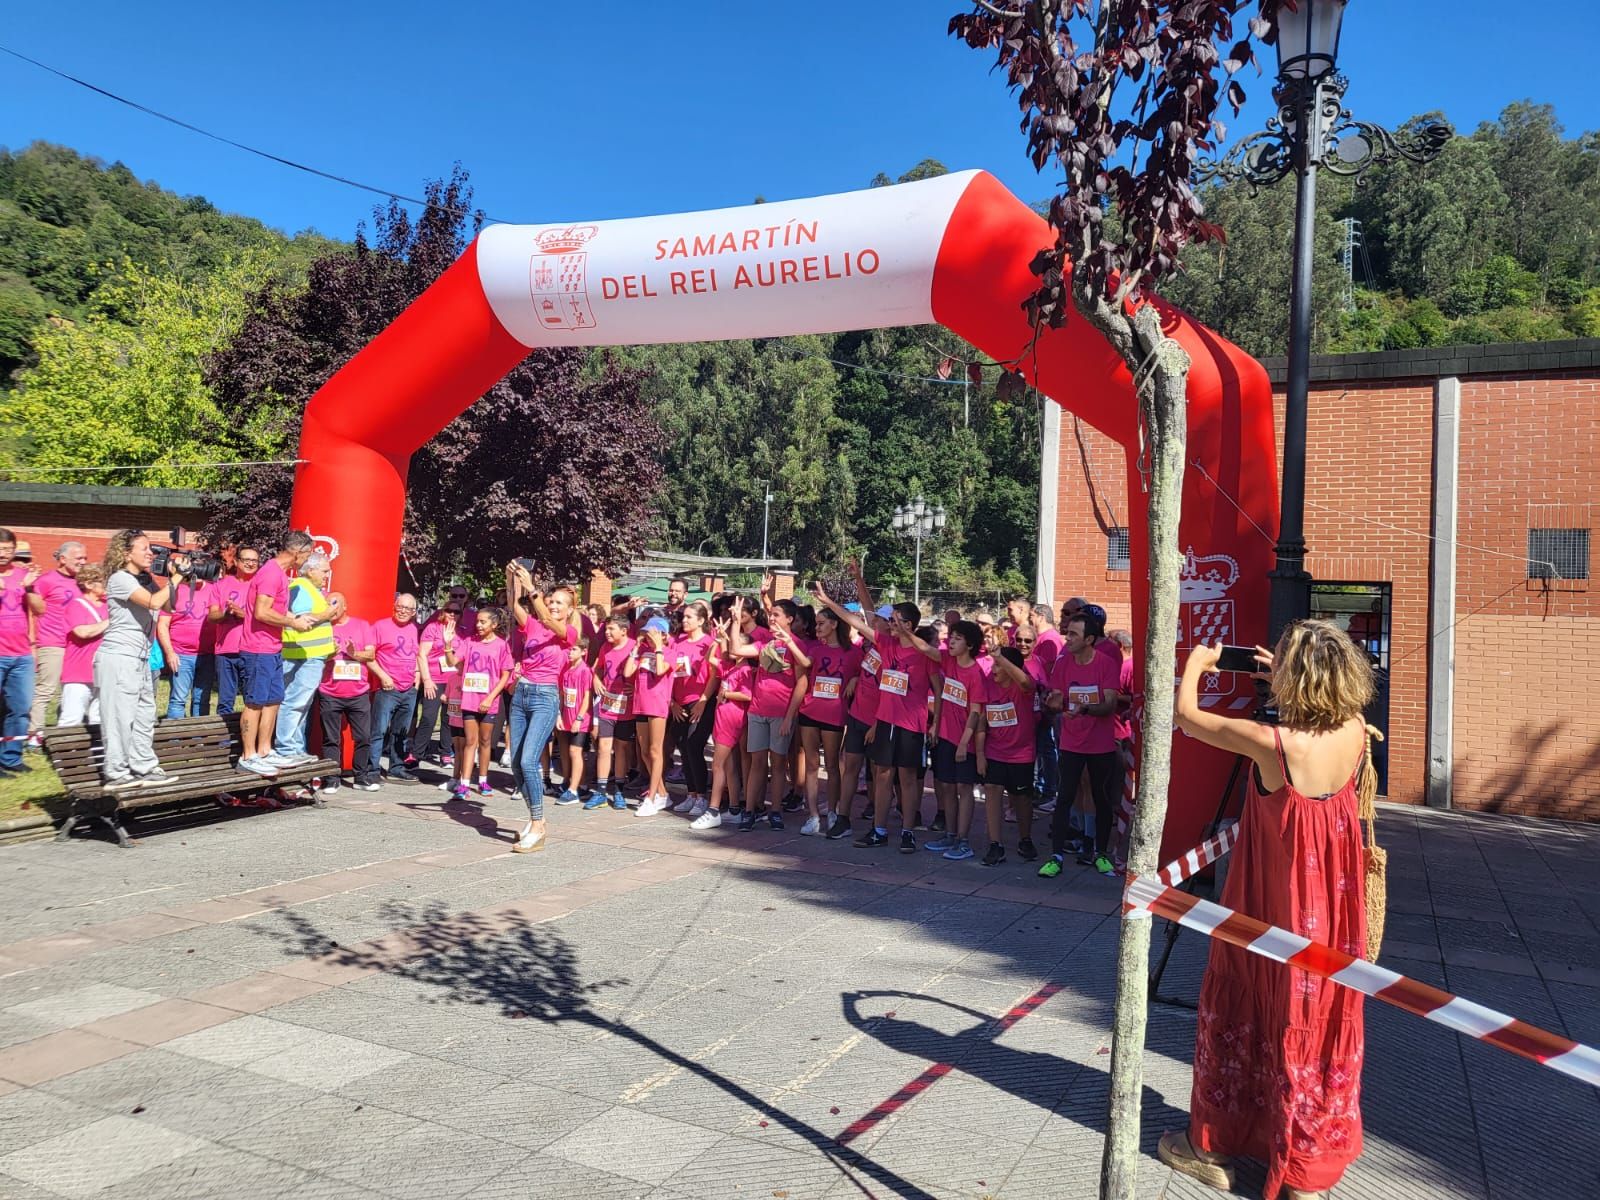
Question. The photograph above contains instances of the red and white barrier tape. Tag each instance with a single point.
(1472, 1020)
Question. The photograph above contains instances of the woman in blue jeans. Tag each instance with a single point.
(548, 629)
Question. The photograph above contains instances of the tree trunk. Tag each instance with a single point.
(1161, 376)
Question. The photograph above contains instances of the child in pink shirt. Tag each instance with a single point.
(727, 735)
(572, 725)
(484, 663)
(85, 619)
(651, 673)
(613, 708)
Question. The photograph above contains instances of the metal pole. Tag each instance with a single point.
(1291, 585)
(766, 513)
(917, 585)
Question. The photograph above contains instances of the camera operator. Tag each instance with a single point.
(122, 664)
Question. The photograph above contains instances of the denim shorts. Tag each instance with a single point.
(263, 679)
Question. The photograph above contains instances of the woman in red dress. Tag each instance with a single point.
(1277, 1059)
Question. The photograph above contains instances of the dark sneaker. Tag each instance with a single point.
(775, 819)
(1086, 857)
(962, 849)
(908, 844)
(840, 828)
(938, 825)
(596, 800)
(747, 821)
(619, 802)
(792, 802)
(994, 855)
(872, 839)
(1026, 851)
(401, 775)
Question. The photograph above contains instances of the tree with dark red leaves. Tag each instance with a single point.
(1122, 98)
(557, 462)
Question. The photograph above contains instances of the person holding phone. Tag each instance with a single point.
(1085, 688)
(122, 663)
(1278, 1051)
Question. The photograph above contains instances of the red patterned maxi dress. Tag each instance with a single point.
(1277, 1057)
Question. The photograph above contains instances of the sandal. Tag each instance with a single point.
(1174, 1150)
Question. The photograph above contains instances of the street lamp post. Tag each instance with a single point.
(918, 519)
(766, 514)
(1312, 129)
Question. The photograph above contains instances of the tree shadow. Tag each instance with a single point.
(1530, 757)
(526, 970)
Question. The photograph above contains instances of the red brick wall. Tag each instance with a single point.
(1527, 719)
(46, 526)
(1524, 741)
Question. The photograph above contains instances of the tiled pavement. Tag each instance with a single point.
(377, 1000)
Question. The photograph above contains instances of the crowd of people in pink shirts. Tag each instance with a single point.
(770, 706)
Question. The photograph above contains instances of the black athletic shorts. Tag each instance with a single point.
(621, 731)
(812, 723)
(1015, 778)
(855, 736)
(893, 746)
(947, 770)
(580, 739)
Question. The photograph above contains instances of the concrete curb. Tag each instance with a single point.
(32, 828)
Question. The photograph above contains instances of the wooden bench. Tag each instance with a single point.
(202, 752)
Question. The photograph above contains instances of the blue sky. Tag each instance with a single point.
(597, 111)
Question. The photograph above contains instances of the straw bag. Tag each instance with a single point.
(1374, 858)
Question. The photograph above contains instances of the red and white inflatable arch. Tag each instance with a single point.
(952, 251)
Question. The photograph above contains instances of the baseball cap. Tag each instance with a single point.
(1093, 610)
(657, 625)
(853, 606)
(886, 611)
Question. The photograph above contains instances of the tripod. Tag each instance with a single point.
(1223, 803)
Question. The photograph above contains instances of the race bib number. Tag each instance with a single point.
(345, 671)
(1001, 716)
(955, 692)
(872, 662)
(1077, 697)
(569, 697)
(680, 668)
(475, 681)
(455, 712)
(827, 687)
(613, 704)
(896, 683)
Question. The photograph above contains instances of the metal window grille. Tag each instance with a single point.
(1119, 556)
(1558, 554)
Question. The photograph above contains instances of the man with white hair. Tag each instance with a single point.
(47, 601)
(305, 654)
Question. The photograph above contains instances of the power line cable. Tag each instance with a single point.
(227, 141)
(166, 466)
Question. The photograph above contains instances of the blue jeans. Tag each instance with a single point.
(16, 696)
(391, 727)
(1047, 769)
(193, 676)
(229, 669)
(300, 679)
(534, 707)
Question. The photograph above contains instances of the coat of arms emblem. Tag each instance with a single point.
(558, 278)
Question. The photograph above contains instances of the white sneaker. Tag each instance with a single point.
(447, 785)
(811, 826)
(650, 806)
(699, 808)
(684, 805)
(709, 819)
(260, 766)
(505, 760)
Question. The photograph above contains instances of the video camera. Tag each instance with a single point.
(198, 566)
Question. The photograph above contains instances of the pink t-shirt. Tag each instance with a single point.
(775, 675)
(58, 590)
(831, 668)
(1048, 647)
(343, 677)
(652, 687)
(440, 671)
(397, 651)
(77, 663)
(1012, 721)
(864, 704)
(1040, 674)
(543, 652)
(14, 641)
(903, 687)
(187, 623)
(690, 663)
(230, 629)
(269, 581)
(961, 690)
(733, 715)
(1122, 719)
(613, 689)
(483, 662)
(1086, 683)
(577, 699)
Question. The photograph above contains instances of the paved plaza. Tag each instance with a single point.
(378, 1000)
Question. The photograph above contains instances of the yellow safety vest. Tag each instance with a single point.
(316, 642)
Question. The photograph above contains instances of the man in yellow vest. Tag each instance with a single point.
(304, 653)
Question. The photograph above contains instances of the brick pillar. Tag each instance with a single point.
(598, 589)
(783, 585)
